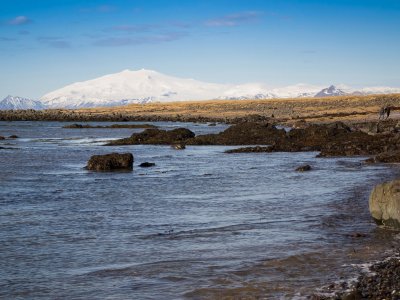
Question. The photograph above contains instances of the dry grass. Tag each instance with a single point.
(312, 109)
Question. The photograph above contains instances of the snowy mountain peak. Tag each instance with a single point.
(143, 86)
(12, 102)
(131, 87)
(330, 91)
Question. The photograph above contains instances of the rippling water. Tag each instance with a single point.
(201, 224)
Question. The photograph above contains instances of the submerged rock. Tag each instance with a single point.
(179, 146)
(147, 165)
(303, 168)
(384, 204)
(110, 162)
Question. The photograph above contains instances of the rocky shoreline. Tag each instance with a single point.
(380, 140)
(332, 139)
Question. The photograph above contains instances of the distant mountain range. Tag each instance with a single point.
(145, 86)
(11, 102)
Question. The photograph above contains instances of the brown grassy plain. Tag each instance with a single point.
(344, 108)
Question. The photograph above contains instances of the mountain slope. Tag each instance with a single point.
(150, 86)
(11, 102)
(131, 87)
(330, 92)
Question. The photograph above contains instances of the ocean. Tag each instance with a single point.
(201, 224)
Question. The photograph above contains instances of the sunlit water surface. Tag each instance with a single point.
(200, 224)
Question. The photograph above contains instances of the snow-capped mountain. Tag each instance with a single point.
(145, 86)
(131, 87)
(379, 90)
(11, 102)
(330, 92)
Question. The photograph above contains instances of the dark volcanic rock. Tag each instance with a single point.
(303, 168)
(385, 157)
(384, 284)
(13, 136)
(334, 139)
(156, 137)
(147, 165)
(110, 162)
(247, 133)
(256, 149)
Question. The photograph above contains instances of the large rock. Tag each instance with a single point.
(384, 204)
(246, 133)
(385, 157)
(110, 162)
(157, 137)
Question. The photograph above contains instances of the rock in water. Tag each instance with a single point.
(384, 204)
(110, 162)
(147, 165)
(304, 168)
(179, 146)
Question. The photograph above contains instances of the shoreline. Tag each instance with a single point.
(280, 111)
(85, 116)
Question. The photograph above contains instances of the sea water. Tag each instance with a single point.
(201, 224)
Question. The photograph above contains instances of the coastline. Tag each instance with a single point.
(111, 114)
(280, 111)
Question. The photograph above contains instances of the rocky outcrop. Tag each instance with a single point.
(13, 136)
(2, 137)
(376, 127)
(384, 204)
(156, 137)
(247, 133)
(304, 168)
(333, 139)
(110, 162)
(385, 157)
(256, 149)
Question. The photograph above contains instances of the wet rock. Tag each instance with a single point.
(110, 162)
(147, 165)
(247, 133)
(357, 235)
(2, 137)
(212, 124)
(385, 157)
(256, 149)
(179, 146)
(13, 136)
(156, 137)
(376, 127)
(383, 283)
(304, 168)
(384, 204)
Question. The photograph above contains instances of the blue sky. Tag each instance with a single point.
(47, 44)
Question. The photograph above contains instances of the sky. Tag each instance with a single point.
(47, 44)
